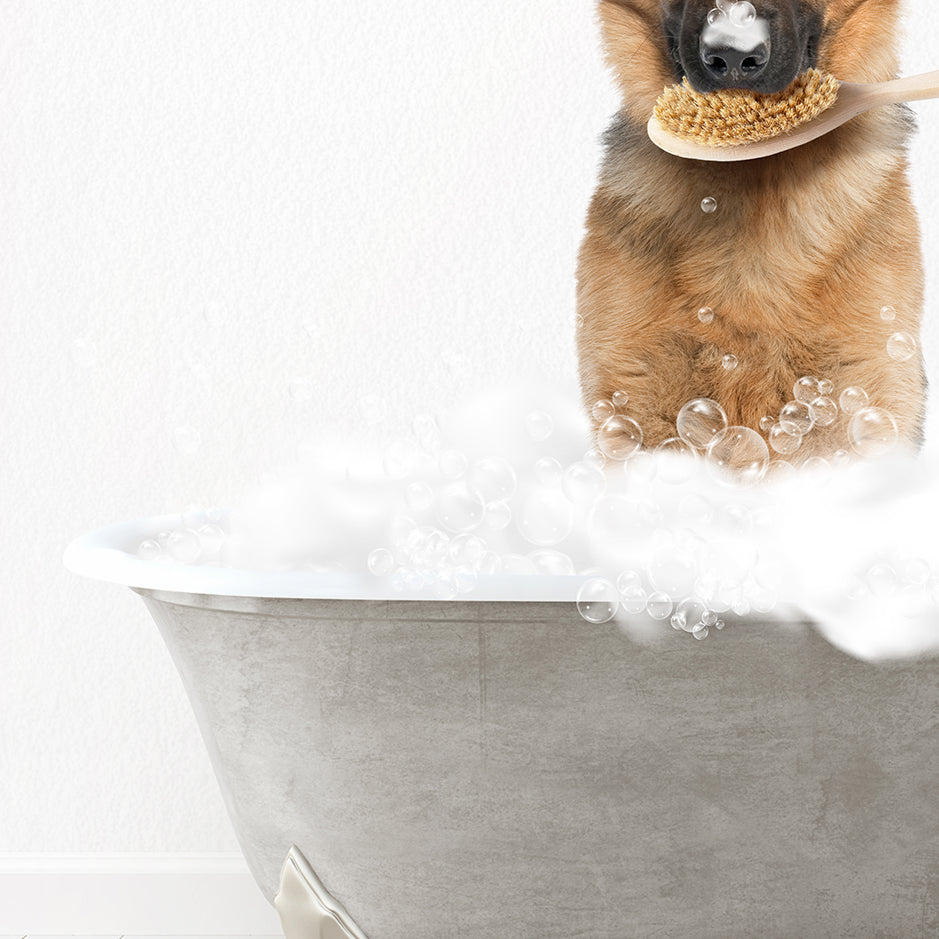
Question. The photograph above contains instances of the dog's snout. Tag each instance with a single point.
(734, 68)
(733, 57)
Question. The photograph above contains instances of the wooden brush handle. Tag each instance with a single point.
(911, 88)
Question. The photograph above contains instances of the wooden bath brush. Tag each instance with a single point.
(734, 124)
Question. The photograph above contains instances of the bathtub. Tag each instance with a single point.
(498, 767)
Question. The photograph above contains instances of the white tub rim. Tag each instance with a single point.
(110, 554)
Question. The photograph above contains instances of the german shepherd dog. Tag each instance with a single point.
(801, 255)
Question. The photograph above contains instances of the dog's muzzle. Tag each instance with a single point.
(735, 56)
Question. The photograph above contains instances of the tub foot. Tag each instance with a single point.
(306, 909)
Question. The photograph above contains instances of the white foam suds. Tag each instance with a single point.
(510, 484)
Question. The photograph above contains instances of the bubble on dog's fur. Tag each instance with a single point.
(806, 389)
(795, 417)
(706, 315)
(784, 440)
(597, 600)
(738, 454)
(888, 314)
(619, 437)
(602, 410)
(708, 205)
(699, 421)
(823, 411)
(853, 399)
(901, 346)
(620, 400)
(872, 432)
(729, 362)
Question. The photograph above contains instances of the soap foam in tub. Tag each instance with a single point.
(667, 543)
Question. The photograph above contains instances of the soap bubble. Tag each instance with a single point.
(806, 389)
(700, 631)
(689, 613)
(620, 399)
(582, 483)
(706, 315)
(464, 579)
(823, 411)
(825, 387)
(742, 13)
(556, 563)
(767, 423)
(784, 442)
(492, 478)
(400, 458)
(549, 471)
(374, 409)
(452, 464)
(714, 15)
(546, 517)
(419, 496)
(458, 508)
(539, 425)
(729, 362)
(795, 418)
(901, 346)
(602, 410)
(149, 550)
(211, 538)
(381, 562)
(699, 421)
(633, 599)
(594, 457)
(426, 431)
(597, 600)
(619, 437)
(882, 580)
(872, 432)
(466, 549)
(498, 515)
(739, 452)
(183, 546)
(659, 605)
(888, 314)
(708, 205)
(853, 399)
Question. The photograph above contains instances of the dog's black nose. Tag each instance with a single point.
(734, 68)
(734, 56)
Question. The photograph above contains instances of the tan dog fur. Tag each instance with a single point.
(804, 250)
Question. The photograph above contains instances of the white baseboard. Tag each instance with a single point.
(137, 894)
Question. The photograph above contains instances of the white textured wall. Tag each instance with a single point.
(201, 201)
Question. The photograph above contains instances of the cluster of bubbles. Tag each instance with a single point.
(673, 535)
(739, 14)
(198, 538)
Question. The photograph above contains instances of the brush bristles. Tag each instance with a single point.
(734, 116)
